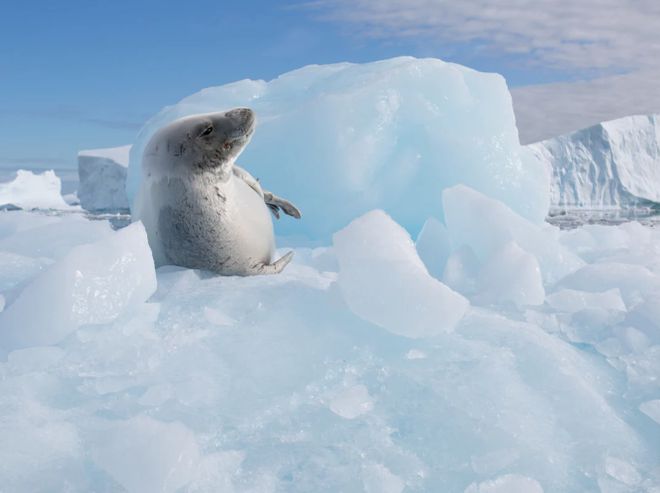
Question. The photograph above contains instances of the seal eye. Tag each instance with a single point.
(207, 131)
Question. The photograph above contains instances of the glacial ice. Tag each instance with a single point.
(33, 191)
(102, 178)
(340, 140)
(611, 164)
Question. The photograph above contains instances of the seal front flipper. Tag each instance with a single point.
(276, 267)
(274, 202)
(251, 181)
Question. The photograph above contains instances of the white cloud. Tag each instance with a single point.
(583, 38)
(583, 34)
(547, 110)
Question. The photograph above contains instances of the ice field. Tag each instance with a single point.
(453, 341)
(532, 363)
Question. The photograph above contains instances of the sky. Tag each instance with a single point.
(86, 74)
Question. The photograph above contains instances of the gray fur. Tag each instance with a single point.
(199, 209)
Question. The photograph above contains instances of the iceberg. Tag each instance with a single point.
(340, 140)
(33, 191)
(102, 179)
(615, 164)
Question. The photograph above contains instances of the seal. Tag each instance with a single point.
(199, 208)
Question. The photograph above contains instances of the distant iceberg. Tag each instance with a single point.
(102, 174)
(340, 140)
(33, 191)
(614, 164)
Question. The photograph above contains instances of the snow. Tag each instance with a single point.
(340, 140)
(33, 191)
(609, 165)
(102, 178)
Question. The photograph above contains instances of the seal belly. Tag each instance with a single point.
(252, 226)
(225, 229)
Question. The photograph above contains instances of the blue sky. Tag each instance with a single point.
(86, 74)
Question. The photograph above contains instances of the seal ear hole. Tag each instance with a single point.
(207, 131)
(226, 146)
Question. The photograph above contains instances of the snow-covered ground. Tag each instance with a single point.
(614, 164)
(491, 353)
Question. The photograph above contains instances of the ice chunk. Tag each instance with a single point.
(415, 354)
(486, 225)
(379, 479)
(462, 270)
(102, 175)
(612, 164)
(90, 285)
(622, 471)
(147, 456)
(513, 276)
(384, 281)
(53, 239)
(351, 402)
(651, 409)
(33, 191)
(433, 246)
(509, 483)
(570, 300)
(631, 280)
(389, 134)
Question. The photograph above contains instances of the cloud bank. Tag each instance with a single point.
(610, 48)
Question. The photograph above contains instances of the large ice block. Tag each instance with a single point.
(102, 175)
(340, 140)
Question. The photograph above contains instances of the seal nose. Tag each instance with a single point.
(244, 115)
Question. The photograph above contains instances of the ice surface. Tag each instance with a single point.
(612, 164)
(92, 284)
(33, 191)
(383, 280)
(324, 378)
(340, 140)
(102, 178)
